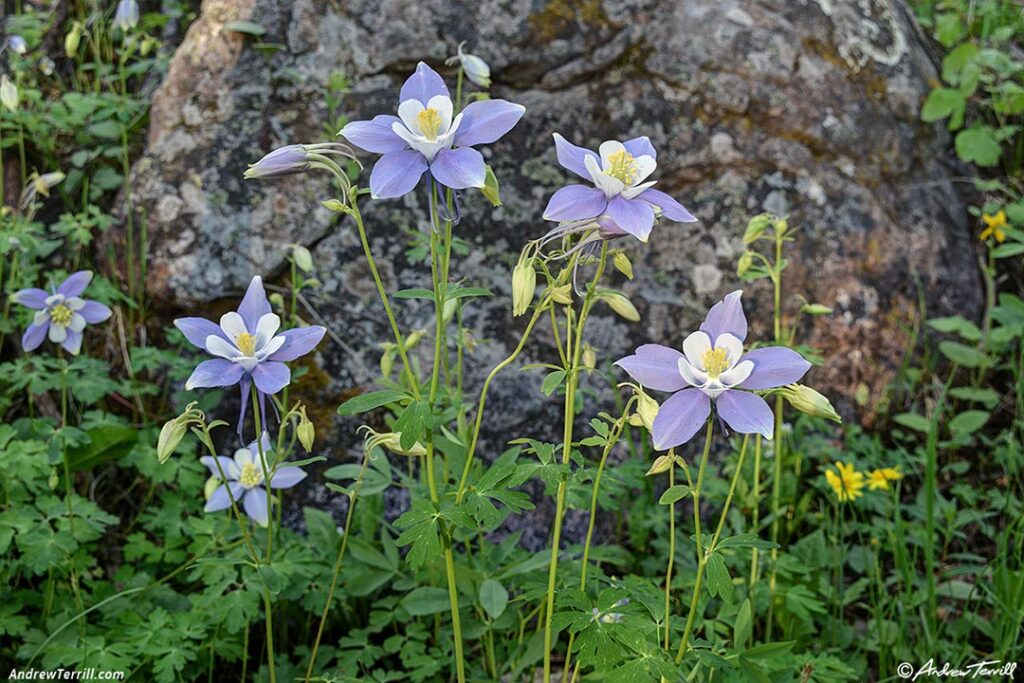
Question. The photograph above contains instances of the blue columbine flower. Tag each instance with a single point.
(61, 314)
(713, 367)
(428, 136)
(622, 201)
(17, 44)
(245, 478)
(248, 347)
(126, 16)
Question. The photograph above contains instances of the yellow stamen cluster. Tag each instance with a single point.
(60, 315)
(848, 483)
(250, 475)
(429, 121)
(246, 343)
(716, 361)
(622, 166)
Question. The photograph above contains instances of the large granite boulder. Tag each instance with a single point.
(805, 108)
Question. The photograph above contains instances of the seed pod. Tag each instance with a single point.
(524, 284)
(305, 431)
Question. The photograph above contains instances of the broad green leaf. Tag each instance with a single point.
(674, 493)
(913, 421)
(250, 28)
(106, 444)
(426, 600)
(956, 324)
(744, 541)
(978, 145)
(941, 104)
(961, 354)
(271, 579)
(985, 396)
(743, 626)
(719, 581)
(968, 422)
(552, 382)
(493, 597)
(370, 400)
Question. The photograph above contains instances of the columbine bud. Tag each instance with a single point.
(44, 183)
(476, 69)
(72, 39)
(211, 485)
(662, 463)
(524, 283)
(46, 66)
(562, 295)
(620, 304)
(622, 264)
(305, 431)
(17, 44)
(287, 160)
(491, 191)
(746, 260)
(414, 338)
(126, 16)
(393, 442)
(757, 226)
(171, 435)
(589, 357)
(815, 309)
(646, 410)
(8, 93)
(809, 401)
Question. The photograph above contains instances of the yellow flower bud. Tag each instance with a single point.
(211, 485)
(809, 401)
(620, 304)
(305, 431)
(662, 463)
(171, 435)
(562, 295)
(589, 357)
(72, 40)
(646, 409)
(622, 264)
(524, 284)
(8, 93)
(746, 260)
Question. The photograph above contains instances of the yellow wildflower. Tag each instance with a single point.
(847, 484)
(879, 479)
(994, 227)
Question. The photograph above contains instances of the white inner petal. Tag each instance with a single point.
(54, 299)
(645, 166)
(694, 348)
(631, 192)
(443, 105)
(737, 374)
(218, 346)
(604, 182)
(243, 457)
(270, 347)
(233, 325)
(75, 303)
(266, 328)
(58, 333)
(408, 111)
(40, 317)
(692, 376)
(607, 149)
(732, 346)
(77, 322)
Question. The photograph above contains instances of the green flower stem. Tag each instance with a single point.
(483, 400)
(671, 554)
(756, 513)
(270, 530)
(777, 444)
(613, 439)
(440, 255)
(337, 564)
(701, 558)
(414, 384)
(68, 482)
(567, 433)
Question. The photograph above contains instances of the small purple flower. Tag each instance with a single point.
(713, 367)
(17, 44)
(245, 479)
(427, 136)
(61, 314)
(622, 201)
(248, 347)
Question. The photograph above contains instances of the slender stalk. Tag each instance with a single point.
(701, 558)
(270, 531)
(671, 556)
(777, 443)
(414, 385)
(337, 565)
(567, 435)
(613, 439)
(756, 513)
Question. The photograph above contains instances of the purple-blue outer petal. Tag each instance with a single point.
(255, 504)
(774, 366)
(298, 342)
(196, 330)
(396, 174)
(571, 157)
(640, 146)
(211, 465)
(72, 343)
(575, 202)
(75, 284)
(679, 418)
(726, 316)
(94, 312)
(655, 367)
(31, 298)
(34, 336)
(746, 413)
(375, 135)
(219, 500)
(271, 377)
(459, 169)
(633, 216)
(670, 208)
(422, 85)
(218, 372)
(484, 121)
(254, 304)
(286, 477)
